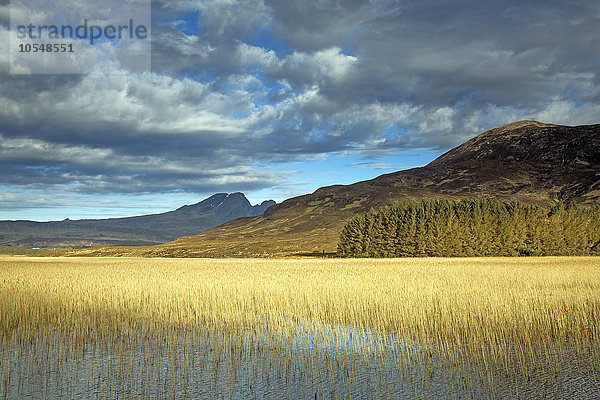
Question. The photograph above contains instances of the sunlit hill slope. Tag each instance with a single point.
(527, 161)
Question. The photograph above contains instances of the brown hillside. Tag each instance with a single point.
(526, 161)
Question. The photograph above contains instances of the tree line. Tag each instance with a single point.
(466, 228)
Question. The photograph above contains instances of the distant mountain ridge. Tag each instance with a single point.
(186, 220)
(528, 161)
(132, 231)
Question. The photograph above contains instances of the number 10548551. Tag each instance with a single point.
(45, 48)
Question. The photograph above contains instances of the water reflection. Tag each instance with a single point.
(312, 362)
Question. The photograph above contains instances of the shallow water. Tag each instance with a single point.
(322, 363)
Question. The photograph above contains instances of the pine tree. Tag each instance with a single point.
(480, 227)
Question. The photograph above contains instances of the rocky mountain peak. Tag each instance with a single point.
(531, 142)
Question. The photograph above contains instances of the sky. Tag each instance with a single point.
(276, 98)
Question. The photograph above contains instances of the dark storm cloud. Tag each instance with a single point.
(253, 82)
(440, 53)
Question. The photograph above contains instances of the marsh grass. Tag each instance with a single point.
(184, 328)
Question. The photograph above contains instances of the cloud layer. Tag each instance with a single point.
(239, 84)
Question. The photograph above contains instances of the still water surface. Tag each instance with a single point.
(325, 363)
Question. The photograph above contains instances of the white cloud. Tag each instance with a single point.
(329, 63)
(566, 112)
(144, 103)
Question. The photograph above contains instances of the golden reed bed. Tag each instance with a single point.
(503, 313)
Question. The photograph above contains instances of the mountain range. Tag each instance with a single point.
(528, 161)
(132, 231)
